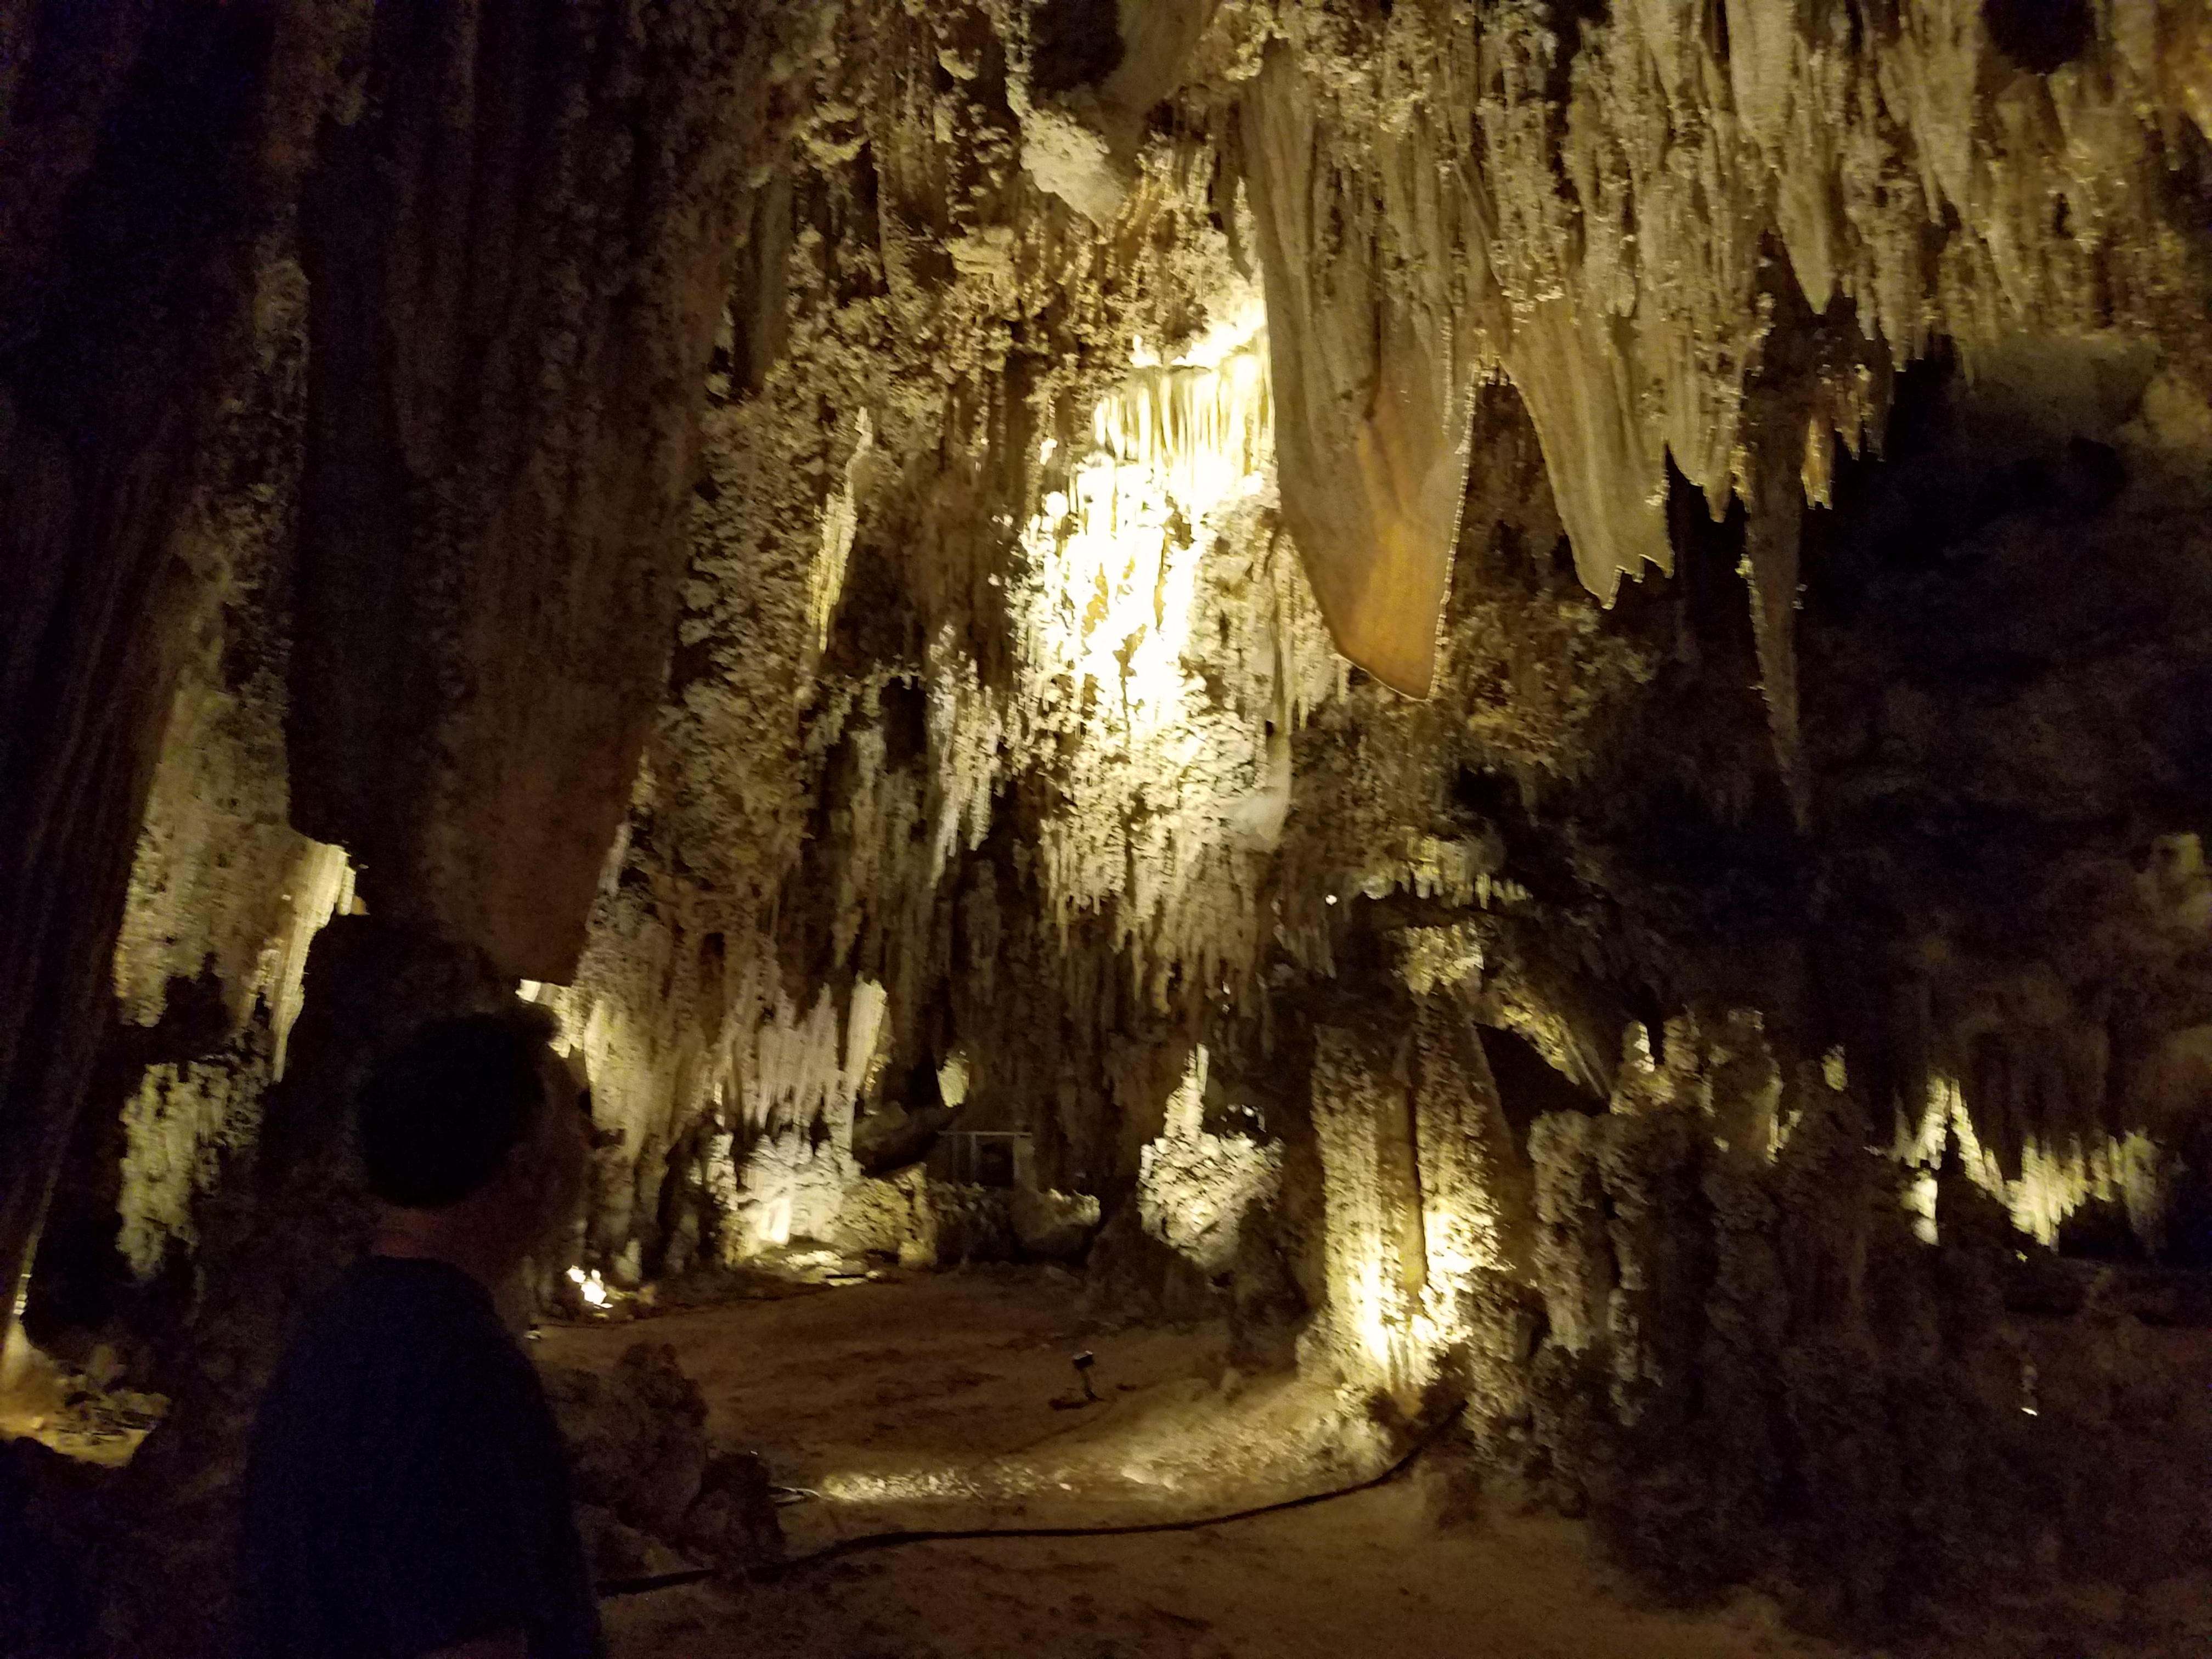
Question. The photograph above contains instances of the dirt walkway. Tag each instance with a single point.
(929, 1405)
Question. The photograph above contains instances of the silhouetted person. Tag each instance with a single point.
(407, 1494)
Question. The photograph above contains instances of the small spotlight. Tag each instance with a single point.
(1331, 899)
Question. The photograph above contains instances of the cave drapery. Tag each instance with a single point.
(1513, 691)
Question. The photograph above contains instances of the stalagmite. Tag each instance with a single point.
(1196, 1189)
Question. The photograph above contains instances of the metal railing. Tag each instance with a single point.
(980, 1158)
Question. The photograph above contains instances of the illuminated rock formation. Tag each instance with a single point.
(1051, 577)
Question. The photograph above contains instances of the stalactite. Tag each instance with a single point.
(1771, 536)
(1373, 375)
(1600, 242)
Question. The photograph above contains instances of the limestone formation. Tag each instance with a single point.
(1513, 692)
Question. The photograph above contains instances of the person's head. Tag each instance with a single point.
(475, 1121)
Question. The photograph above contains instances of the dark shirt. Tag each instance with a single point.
(407, 1489)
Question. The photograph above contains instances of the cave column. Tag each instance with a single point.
(1369, 1197)
(518, 245)
(123, 208)
(519, 238)
(1427, 1202)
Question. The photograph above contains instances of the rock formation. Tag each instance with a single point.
(1517, 689)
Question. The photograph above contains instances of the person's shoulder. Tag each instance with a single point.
(402, 1313)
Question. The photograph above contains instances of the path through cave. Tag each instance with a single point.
(945, 1404)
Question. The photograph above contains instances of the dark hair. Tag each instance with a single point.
(440, 1113)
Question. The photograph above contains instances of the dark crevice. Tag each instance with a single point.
(2039, 35)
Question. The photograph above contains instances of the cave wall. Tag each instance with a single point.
(140, 156)
(967, 832)
(215, 546)
(873, 653)
(862, 557)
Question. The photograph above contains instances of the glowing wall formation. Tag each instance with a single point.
(1194, 1190)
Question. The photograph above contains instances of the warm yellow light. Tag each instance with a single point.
(1116, 553)
(1194, 1190)
(2055, 1179)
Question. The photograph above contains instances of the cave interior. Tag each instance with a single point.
(1445, 755)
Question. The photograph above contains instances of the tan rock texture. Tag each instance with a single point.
(518, 236)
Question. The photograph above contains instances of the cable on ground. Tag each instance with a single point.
(885, 1540)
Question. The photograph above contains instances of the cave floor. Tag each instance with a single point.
(928, 1404)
